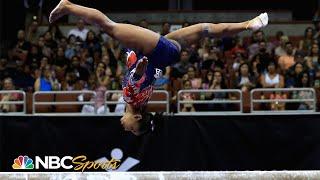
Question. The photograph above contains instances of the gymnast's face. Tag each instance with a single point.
(130, 121)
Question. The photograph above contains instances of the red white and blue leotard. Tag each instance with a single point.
(137, 90)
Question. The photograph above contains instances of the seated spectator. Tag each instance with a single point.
(187, 107)
(47, 81)
(218, 82)
(272, 79)
(306, 43)
(34, 55)
(82, 73)
(193, 78)
(281, 48)
(286, 61)
(92, 43)
(262, 56)
(314, 55)
(311, 69)
(255, 47)
(293, 74)
(55, 32)
(102, 82)
(245, 81)
(21, 47)
(165, 28)
(277, 41)
(49, 42)
(60, 60)
(71, 49)
(80, 31)
(7, 86)
(183, 64)
(144, 23)
(304, 82)
(33, 32)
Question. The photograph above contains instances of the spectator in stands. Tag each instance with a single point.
(245, 81)
(188, 107)
(45, 51)
(311, 69)
(70, 81)
(263, 57)
(272, 79)
(193, 77)
(7, 86)
(47, 81)
(314, 55)
(281, 48)
(72, 48)
(34, 55)
(183, 64)
(80, 72)
(79, 32)
(49, 41)
(165, 28)
(55, 32)
(91, 43)
(102, 82)
(33, 32)
(60, 60)
(218, 82)
(255, 47)
(292, 77)
(306, 43)
(21, 47)
(4, 70)
(277, 41)
(304, 82)
(286, 61)
(185, 24)
(144, 23)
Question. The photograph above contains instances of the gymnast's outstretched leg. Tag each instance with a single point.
(192, 34)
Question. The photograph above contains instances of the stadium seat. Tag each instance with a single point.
(157, 107)
(69, 107)
(44, 98)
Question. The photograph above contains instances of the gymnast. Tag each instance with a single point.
(149, 54)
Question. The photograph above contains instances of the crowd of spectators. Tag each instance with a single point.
(89, 60)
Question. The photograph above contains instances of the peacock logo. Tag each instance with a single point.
(23, 162)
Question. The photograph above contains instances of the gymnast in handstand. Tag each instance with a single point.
(149, 54)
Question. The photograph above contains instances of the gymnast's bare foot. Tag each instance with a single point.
(58, 11)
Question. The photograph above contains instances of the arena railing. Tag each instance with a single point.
(277, 101)
(165, 102)
(211, 101)
(20, 101)
(53, 99)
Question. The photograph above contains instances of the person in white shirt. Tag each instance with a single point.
(80, 31)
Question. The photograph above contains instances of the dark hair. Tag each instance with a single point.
(249, 69)
(306, 31)
(300, 76)
(146, 123)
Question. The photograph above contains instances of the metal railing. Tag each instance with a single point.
(212, 101)
(55, 103)
(18, 102)
(159, 102)
(313, 100)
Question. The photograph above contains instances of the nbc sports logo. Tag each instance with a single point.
(22, 162)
